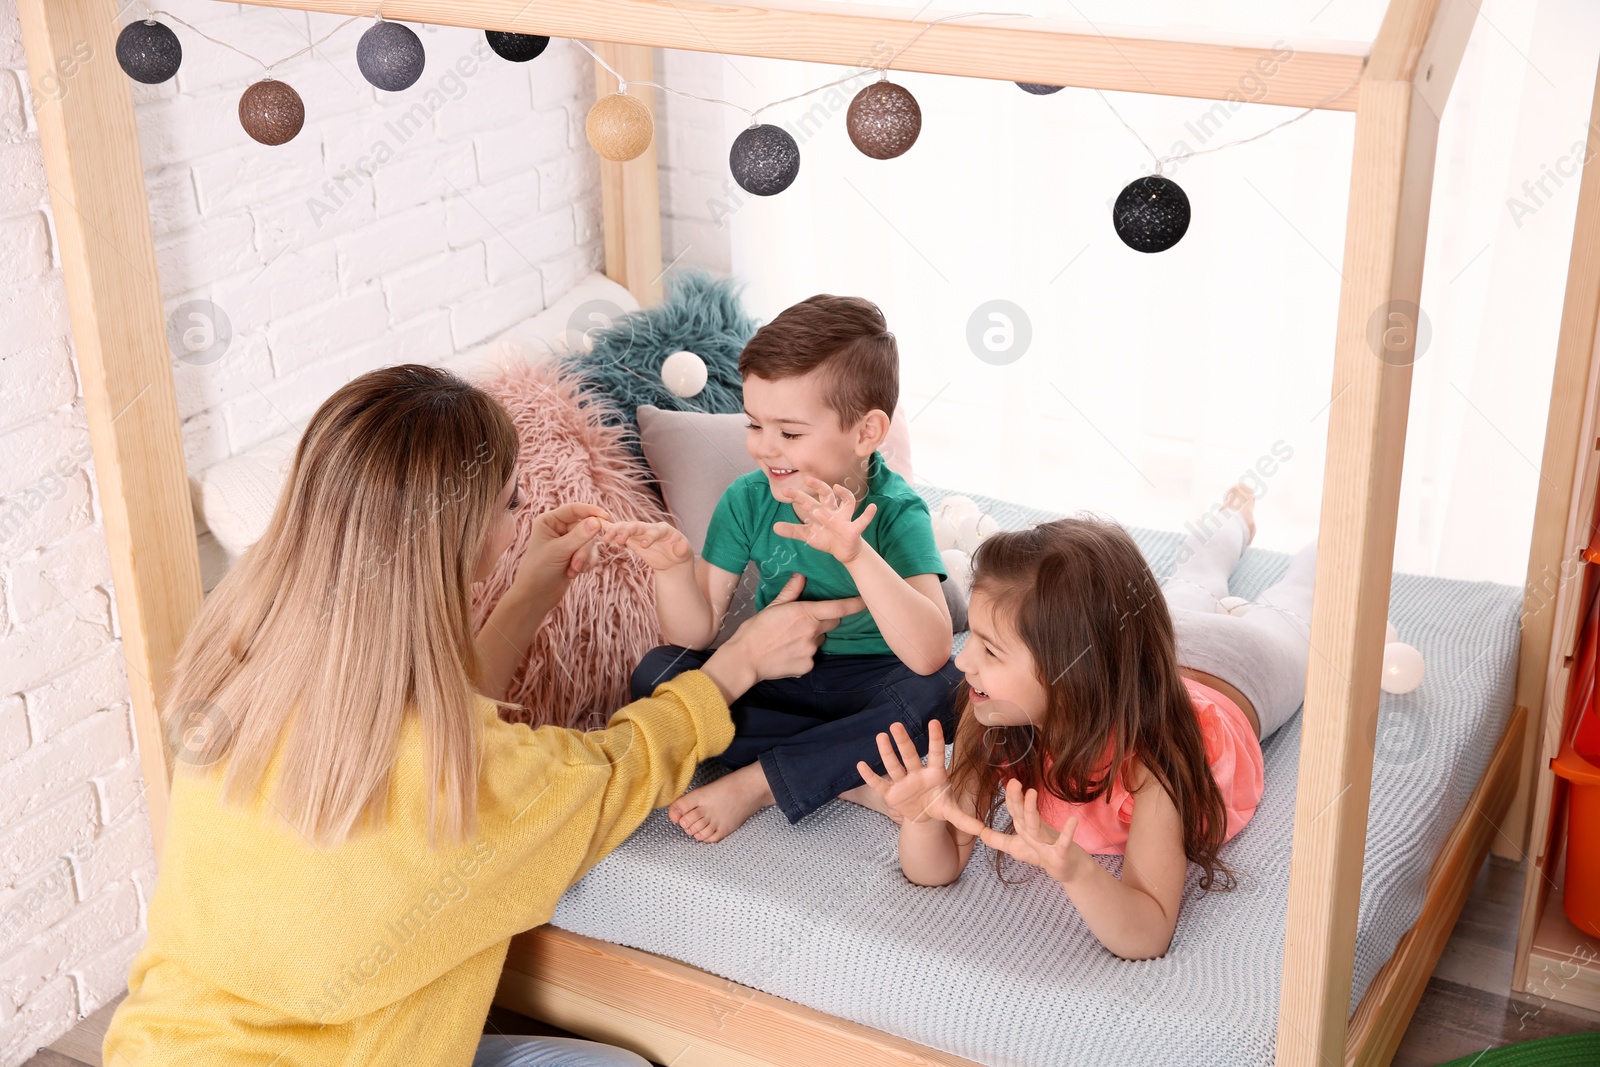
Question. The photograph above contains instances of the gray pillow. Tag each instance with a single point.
(696, 456)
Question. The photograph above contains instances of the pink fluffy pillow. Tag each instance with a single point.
(576, 672)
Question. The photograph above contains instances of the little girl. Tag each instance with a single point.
(1118, 720)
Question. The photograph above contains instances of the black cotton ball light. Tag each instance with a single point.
(884, 120)
(148, 51)
(517, 47)
(390, 56)
(1037, 89)
(764, 159)
(1151, 214)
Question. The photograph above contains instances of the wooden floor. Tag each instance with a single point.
(1464, 1011)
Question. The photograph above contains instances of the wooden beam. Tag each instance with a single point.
(670, 1012)
(630, 193)
(1011, 49)
(1385, 235)
(1550, 610)
(102, 222)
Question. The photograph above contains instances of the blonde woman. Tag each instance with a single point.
(354, 835)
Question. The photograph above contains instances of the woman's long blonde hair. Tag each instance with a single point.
(353, 610)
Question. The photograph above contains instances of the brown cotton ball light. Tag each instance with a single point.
(884, 120)
(620, 127)
(271, 112)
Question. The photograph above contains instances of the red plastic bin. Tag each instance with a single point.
(1580, 895)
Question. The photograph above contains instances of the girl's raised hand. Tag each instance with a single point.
(1034, 840)
(660, 544)
(826, 522)
(914, 791)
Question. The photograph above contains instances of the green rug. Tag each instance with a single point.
(1567, 1050)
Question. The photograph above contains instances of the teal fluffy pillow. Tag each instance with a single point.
(701, 314)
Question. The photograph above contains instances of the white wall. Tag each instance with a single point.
(1152, 382)
(485, 213)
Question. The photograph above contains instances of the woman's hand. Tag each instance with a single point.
(660, 544)
(1035, 841)
(826, 522)
(560, 546)
(779, 641)
(913, 791)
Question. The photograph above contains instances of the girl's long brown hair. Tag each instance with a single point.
(352, 612)
(1080, 596)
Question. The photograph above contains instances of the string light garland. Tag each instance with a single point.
(620, 127)
(148, 51)
(1151, 214)
(271, 112)
(390, 56)
(767, 157)
(764, 159)
(884, 120)
(516, 47)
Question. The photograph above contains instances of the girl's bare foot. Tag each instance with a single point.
(718, 808)
(1242, 498)
(868, 797)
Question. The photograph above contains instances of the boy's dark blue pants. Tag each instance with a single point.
(808, 732)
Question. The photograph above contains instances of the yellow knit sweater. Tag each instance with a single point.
(381, 951)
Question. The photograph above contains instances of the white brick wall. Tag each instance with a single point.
(692, 143)
(369, 239)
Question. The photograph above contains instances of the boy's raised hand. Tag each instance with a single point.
(660, 544)
(826, 522)
(914, 791)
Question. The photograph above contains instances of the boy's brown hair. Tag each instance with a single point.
(845, 334)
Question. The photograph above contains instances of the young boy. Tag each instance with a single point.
(819, 383)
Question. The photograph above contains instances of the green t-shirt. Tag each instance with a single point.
(901, 532)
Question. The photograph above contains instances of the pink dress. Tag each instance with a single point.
(1232, 751)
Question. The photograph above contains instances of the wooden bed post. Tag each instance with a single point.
(1555, 577)
(630, 192)
(102, 216)
(1403, 91)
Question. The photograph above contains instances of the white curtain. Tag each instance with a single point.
(1150, 383)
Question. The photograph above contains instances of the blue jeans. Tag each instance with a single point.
(498, 1050)
(809, 732)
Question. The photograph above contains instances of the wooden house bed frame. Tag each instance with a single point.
(674, 1013)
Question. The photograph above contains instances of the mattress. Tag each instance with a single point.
(1009, 975)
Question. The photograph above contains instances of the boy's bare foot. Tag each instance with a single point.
(868, 797)
(1242, 498)
(718, 808)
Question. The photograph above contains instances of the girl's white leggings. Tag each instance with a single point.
(1262, 648)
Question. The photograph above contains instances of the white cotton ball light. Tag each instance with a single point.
(959, 509)
(967, 538)
(1402, 668)
(1230, 605)
(944, 532)
(684, 374)
(958, 565)
(1390, 634)
(987, 528)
